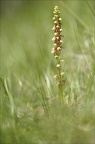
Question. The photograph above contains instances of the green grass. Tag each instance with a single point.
(30, 109)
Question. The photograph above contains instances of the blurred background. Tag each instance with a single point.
(28, 67)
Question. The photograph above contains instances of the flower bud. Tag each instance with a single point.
(56, 33)
(61, 41)
(60, 19)
(55, 22)
(55, 44)
(56, 16)
(56, 56)
(58, 48)
(61, 60)
(62, 73)
(60, 30)
(53, 39)
(57, 26)
(52, 51)
(53, 28)
(58, 65)
(53, 18)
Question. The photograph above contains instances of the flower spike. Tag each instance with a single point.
(57, 42)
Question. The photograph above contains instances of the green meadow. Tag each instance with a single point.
(30, 108)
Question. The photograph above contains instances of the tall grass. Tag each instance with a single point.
(29, 106)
